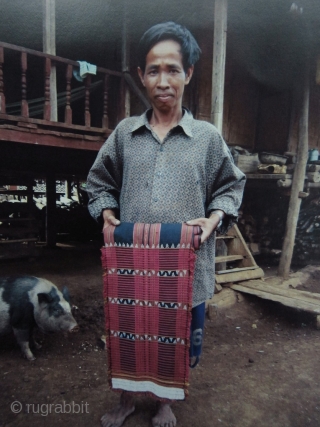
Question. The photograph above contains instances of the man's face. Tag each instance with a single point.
(164, 77)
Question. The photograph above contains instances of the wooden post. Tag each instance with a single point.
(31, 244)
(293, 110)
(68, 192)
(24, 102)
(49, 46)
(297, 183)
(68, 111)
(2, 97)
(125, 60)
(219, 62)
(218, 77)
(51, 210)
(30, 196)
(47, 93)
(105, 118)
(87, 116)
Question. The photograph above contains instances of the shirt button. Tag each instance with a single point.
(155, 200)
(161, 148)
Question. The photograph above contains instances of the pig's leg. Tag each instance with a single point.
(116, 417)
(23, 336)
(164, 417)
(34, 342)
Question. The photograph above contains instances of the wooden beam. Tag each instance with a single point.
(52, 139)
(49, 46)
(236, 270)
(218, 77)
(33, 239)
(2, 96)
(297, 183)
(55, 58)
(219, 62)
(228, 258)
(56, 125)
(268, 176)
(239, 276)
(290, 297)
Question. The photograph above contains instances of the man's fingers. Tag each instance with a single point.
(207, 226)
(114, 221)
(197, 221)
(204, 235)
(110, 220)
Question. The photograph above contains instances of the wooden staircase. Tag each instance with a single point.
(237, 261)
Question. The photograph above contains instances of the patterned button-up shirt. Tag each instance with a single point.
(186, 176)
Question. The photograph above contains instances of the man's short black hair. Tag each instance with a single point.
(190, 49)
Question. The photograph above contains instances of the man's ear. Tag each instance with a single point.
(141, 75)
(189, 74)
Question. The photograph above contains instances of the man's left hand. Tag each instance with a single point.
(207, 225)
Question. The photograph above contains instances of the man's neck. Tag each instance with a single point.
(165, 120)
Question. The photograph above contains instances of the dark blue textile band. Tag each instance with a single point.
(170, 234)
(124, 233)
(197, 325)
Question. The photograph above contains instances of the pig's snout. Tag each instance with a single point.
(74, 329)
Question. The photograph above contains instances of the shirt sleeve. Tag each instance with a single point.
(227, 186)
(105, 177)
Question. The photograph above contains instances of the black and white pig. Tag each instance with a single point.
(26, 302)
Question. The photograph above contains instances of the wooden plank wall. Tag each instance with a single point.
(274, 119)
(314, 113)
(273, 122)
(255, 116)
(241, 96)
(314, 118)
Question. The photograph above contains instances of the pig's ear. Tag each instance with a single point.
(65, 293)
(44, 298)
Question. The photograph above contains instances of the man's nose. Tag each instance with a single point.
(163, 81)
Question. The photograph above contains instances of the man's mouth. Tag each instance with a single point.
(164, 97)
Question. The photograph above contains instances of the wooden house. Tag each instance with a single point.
(257, 81)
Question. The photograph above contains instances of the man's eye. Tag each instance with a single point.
(174, 71)
(152, 72)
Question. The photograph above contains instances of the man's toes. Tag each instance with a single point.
(105, 422)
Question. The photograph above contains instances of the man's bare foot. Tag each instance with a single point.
(164, 417)
(116, 417)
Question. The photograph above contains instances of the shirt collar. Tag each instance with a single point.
(185, 122)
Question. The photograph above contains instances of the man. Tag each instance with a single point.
(167, 167)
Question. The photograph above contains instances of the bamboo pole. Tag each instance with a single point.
(49, 46)
(219, 62)
(218, 77)
(125, 60)
(297, 183)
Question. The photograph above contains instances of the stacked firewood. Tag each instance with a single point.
(307, 243)
(263, 221)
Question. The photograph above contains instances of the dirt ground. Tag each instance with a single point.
(260, 364)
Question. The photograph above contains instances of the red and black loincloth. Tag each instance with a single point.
(148, 274)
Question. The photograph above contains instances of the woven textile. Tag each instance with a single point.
(148, 273)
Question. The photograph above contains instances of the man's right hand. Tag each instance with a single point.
(109, 218)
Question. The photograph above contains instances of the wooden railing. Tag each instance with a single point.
(49, 61)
